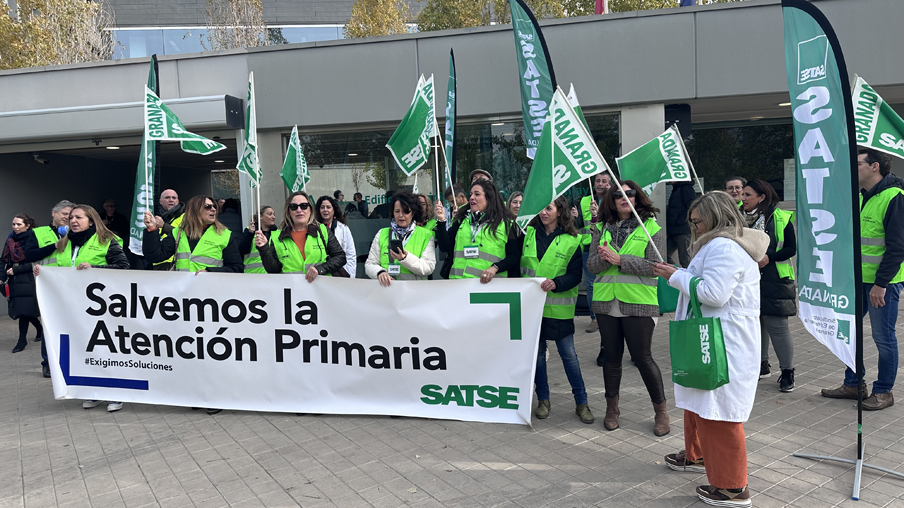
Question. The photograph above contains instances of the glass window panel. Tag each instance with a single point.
(137, 43)
(179, 41)
(295, 34)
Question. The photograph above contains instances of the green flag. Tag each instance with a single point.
(573, 100)
(295, 170)
(161, 124)
(877, 125)
(828, 227)
(535, 73)
(410, 143)
(451, 112)
(566, 155)
(662, 159)
(144, 179)
(249, 162)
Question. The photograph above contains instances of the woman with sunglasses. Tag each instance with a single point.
(303, 245)
(219, 252)
(624, 295)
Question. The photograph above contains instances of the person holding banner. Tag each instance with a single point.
(724, 259)
(483, 239)
(266, 217)
(89, 244)
(303, 245)
(200, 244)
(778, 292)
(328, 213)
(404, 250)
(882, 264)
(552, 252)
(624, 294)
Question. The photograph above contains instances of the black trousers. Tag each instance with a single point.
(637, 333)
(23, 327)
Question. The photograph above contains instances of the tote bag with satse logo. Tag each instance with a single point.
(697, 348)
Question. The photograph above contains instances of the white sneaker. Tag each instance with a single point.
(88, 404)
(114, 406)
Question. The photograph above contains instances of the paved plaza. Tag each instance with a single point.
(54, 453)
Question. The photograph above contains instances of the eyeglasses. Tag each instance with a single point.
(630, 193)
(296, 206)
(694, 222)
(210, 206)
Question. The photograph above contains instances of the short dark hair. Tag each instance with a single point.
(645, 209)
(453, 191)
(762, 187)
(733, 178)
(409, 204)
(231, 204)
(874, 156)
(358, 195)
(336, 194)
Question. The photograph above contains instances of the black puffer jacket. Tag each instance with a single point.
(778, 296)
(23, 298)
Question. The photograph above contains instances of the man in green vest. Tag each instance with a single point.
(882, 255)
(171, 211)
(585, 219)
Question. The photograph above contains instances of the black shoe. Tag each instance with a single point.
(764, 368)
(786, 381)
(39, 338)
(212, 411)
(20, 346)
(601, 358)
(46, 370)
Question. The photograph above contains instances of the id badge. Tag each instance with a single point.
(394, 269)
(472, 252)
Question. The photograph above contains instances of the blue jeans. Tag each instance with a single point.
(589, 278)
(565, 345)
(882, 322)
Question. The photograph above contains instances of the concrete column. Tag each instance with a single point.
(640, 124)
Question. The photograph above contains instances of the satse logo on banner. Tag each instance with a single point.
(812, 56)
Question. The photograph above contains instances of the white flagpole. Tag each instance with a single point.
(441, 146)
(257, 162)
(689, 162)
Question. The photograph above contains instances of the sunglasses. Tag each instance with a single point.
(209, 206)
(630, 193)
(296, 206)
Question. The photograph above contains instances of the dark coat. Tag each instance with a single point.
(894, 229)
(683, 195)
(778, 296)
(157, 250)
(23, 297)
(232, 219)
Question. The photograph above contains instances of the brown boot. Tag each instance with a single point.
(661, 420)
(612, 412)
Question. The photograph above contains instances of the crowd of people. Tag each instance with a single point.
(738, 243)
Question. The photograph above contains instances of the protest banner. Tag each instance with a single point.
(295, 169)
(143, 200)
(452, 349)
(876, 124)
(536, 77)
(410, 143)
(565, 156)
(662, 159)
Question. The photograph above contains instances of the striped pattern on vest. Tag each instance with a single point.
(46, 236)
(872, 234)
(585, 232)
(177, 222)
(491, 250)
(415, 244)
(208, 253)
(253, 262)
(555, 261)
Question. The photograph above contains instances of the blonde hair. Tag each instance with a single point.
(288, 223)
(430, 213)
(192, 225)
(719, 212)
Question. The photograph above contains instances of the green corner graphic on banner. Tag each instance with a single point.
(513, 300)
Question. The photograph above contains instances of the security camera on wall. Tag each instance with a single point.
(39, 159)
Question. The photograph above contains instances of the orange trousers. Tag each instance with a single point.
(722, 447)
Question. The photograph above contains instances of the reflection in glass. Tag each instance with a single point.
(292, 35)
(179, 41)
(137, 43)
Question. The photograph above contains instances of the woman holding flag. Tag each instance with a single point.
(303, 245)
(404, 250)
(552, 251)
(266, 219)
(624, 294)
(483, 238)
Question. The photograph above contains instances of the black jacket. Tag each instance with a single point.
(894, 229)
(157, 250)
(232, 219)
(335, 256)
(445, 240)
(35, 253)
(778, 296)
(550, 328)
(683, 195)
(23, 298)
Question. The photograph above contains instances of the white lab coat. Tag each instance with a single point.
(344, 235)
(730, 290)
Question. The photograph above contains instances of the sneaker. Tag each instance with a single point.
(88, 404)
(601, 358)
(542, 411)
(583, 411)
(764, 368)
(113, 406)
(723, 497)
(678, 462)
(843, 392)
(786, 381)
(594, 327)
(878, 401)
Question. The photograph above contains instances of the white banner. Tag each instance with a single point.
(259, 342)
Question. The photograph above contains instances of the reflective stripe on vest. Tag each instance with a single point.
(92, 252)
(252, 261)
(585, 213)
(781, 220)
(872, 234)
(559, 305)
(290, 257)
(628, 288)
(208, 252)
(416, 244)
(177, 222)
(491, 249)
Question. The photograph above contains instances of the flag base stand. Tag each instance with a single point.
(858, 467)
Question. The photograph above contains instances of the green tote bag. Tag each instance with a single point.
(667, 296)
(697, 348)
